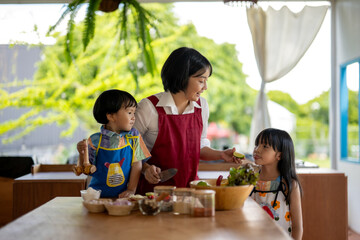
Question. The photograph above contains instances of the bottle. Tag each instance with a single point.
(166, 193)
(203, 203)
(182, 200)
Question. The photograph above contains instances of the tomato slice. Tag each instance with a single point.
(218, 181)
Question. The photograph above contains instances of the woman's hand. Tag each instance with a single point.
(151, 174)
(228, 156)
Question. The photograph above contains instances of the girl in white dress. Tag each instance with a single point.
(278, 190)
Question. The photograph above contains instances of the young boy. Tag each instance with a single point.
(117, 151)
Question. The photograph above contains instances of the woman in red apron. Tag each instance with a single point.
(174, 123)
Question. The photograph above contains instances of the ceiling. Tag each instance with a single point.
(67, 1)
(162, 1)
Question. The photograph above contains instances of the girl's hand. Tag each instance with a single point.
(81, 146)
(126, 193)
(152, 174)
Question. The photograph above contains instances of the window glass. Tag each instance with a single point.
(349, 106)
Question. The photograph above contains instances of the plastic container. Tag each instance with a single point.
(203, 203)
(182, 201)
(166, 194)
(90, 194)
(149, 206)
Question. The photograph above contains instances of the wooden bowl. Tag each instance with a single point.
(118, 210)
(226, 197)
(94, 206)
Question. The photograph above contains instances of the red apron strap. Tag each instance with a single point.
(155, 101)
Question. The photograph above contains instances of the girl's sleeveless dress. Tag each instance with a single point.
(271, 196)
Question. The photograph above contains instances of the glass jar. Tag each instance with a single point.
(182, 200)
(166, 195)
(203, 203)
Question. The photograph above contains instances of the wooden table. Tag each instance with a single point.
(324, 201)
(30, 191)
(66, 218)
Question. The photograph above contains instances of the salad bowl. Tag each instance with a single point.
(226, 197)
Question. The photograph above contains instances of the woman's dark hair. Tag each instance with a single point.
(281, 141)
(111, 101)
(180, 65)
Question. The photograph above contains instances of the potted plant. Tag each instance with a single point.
(142, 21)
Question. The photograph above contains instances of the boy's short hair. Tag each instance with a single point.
(111, 101)
(179, 66)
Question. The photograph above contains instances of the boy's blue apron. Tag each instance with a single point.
(113, 167)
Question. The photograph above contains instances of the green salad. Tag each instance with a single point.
(243, 175)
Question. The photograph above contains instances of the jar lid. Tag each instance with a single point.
(203, 192)
(162, 188)
(183, 191)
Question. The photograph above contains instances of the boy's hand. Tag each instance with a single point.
(83, 165)
(81, 146)
(126, 193)
(152, 174)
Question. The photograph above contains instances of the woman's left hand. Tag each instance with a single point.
(228, 156)
(208, 154)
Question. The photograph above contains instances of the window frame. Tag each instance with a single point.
(344, 108)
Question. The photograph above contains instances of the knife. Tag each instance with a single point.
(167, 174)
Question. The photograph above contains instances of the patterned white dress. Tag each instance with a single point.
(271, 195)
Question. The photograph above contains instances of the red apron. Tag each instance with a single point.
(177, 146)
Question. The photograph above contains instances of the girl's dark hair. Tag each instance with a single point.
(111, 101)
(179, 66)
(281, 141)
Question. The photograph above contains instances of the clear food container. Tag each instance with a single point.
(149, 206)
(182, 200)
(165, 193)
(203, 203)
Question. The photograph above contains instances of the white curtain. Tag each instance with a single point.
(280, 39)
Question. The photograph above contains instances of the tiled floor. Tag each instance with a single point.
(353, 235)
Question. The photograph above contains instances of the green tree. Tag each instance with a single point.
(353, 107)
(312, 121)
(65, 94)
(285, 100)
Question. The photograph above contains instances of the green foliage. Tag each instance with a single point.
(312, 122)
(90, 21)
(284, 99)
(353, 108)
(318, 108)
(131, 17)
(65, 94)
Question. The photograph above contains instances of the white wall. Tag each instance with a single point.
(347, 46)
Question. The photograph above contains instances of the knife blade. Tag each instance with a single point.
(167, 174)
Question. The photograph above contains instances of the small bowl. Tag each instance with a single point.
(226, 197)
(149, 206)
(135, 199)
(94, 206)
(115, 209)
